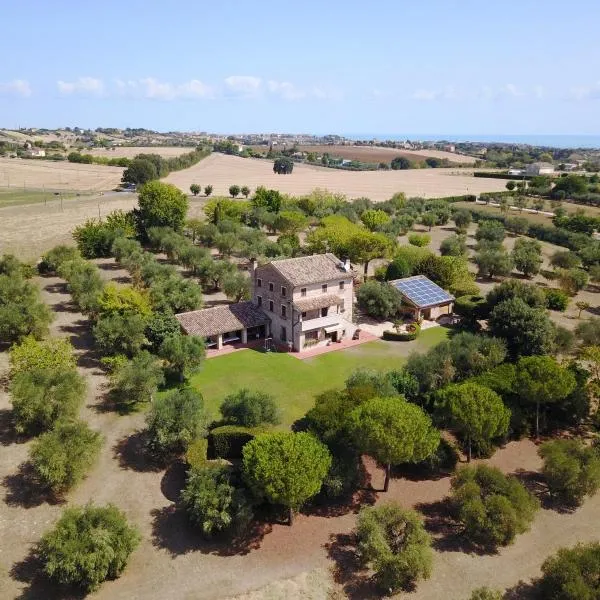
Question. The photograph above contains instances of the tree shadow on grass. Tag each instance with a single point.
(348, 571)
(23, 489)
(446, 533)
(173, 531)
(132, 453)
(30, 571)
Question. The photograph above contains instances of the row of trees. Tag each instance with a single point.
(148, 167)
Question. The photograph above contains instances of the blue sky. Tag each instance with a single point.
(441, 66)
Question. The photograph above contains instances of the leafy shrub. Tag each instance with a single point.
(22, 312)
(250, 408)
(419, 239)
(571, 470)
(53, 259)
(120, 334)
(87, 546)
(174, 421)
(572, 574)
(33, 355)
(228, 441)
(556, 299)
(471, 307)
(492, 507)
(393, 542)
(62, 457)
(213, 503)
(485, 593)
(403, 336)
(40, 397)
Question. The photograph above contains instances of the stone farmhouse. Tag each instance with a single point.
(296, 303)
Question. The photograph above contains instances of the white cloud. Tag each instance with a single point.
(285, 89)
(245, 85)
(539, 91)
(512, 90)
(427, 95)
(154, 89)
(585, 92)
(18, 87)
(83, 85)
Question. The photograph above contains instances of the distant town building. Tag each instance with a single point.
(539, 168)
(35, 152)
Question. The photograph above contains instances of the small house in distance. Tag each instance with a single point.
(539, 168)
(422, 298)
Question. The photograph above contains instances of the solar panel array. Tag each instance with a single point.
(422, 292)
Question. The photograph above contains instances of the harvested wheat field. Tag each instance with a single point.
(131, 151)
(221, 171)
(375, 154)
(63, 175)
(28, 231)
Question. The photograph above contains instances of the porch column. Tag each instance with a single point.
(244, 336)
(220, 341)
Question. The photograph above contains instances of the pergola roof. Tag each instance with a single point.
(422, 292)
(222, 319)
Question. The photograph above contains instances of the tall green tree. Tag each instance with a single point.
(527, 256)
(287, 468)
(393, 431)
(526, 330)
(162, 205)
(477, 412)
(541, 380)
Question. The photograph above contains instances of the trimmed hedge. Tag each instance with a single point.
(465, 198)
(228, 441)
(197, 453)
(402, 336)
(493, 175)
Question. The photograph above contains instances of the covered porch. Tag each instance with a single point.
(238, 324)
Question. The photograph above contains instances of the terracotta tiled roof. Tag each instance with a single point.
(305, 270)
(221, 319)
(316, 302)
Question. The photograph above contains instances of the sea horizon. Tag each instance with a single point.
(533, 139)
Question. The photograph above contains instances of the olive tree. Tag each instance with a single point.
(183, 354)
(571, 470)
(250, 408)
(393, 542)
(42, 396)
(87, 546)
(492, 507)
(62, 457)
(174, 421)
(137, 380)
(212, 501)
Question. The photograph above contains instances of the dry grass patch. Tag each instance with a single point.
(62, 175)
(221, 171)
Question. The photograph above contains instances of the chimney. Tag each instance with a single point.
(253, 265)
(347, 266)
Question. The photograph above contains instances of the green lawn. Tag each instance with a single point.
(17, 196)
(293, 382)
